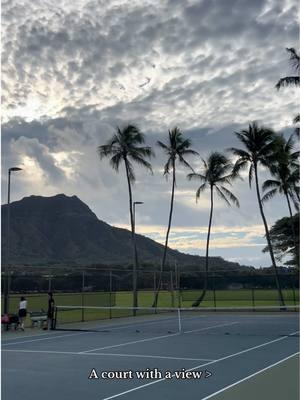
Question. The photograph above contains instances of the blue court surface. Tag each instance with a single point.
(228, 356)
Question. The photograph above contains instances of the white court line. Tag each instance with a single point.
(110, 327)
(133, 342)
(22, 337)
(210, 327)
(47, 338)
(82, 333)
(39, 351)
(107, 354)
(154, 338)
(250, 376)
(201, 365)
(149, 356)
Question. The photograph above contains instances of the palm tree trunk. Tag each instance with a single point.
(293, 228)
(134, 249)
(280, 296)
(199, 300)
(162, 265)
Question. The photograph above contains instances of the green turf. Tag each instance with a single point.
(221, 298)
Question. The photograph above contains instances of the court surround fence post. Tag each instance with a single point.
(214, 292)
(82, 296)
(172, 289)
(179, 320)
(178, 288)
(294, 295)
(253, 298)
(110, 294)
(215, 299)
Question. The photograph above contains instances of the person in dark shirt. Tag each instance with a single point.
(50, 312)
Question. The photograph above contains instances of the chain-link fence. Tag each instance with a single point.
(113, 287)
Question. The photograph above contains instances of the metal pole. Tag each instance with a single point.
(136, 263)
(110, 294)
(82, 296)
(6, 269)
(172, 289)
(179, 320)
(253, 299)
(178, 288)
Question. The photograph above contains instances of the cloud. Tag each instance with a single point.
(74, 71)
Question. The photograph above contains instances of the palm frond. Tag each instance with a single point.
(294, 195)
(105, 150)
(167, 166)
(296, 119)
(294, 58)
(163, 146)
(115, 161)
(240, 153)
(268, 184)
(200, 189)
(250, 174)
(232, 197)
(269, 195)
(240, 165)
(141, 161)
(288, 81)
(195, 176)
(184, 162)
(222, 196)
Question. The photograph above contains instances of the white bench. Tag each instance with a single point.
(38, 318)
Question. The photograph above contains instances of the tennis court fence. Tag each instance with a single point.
(113, 287)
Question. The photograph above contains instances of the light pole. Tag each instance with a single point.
(136, 262)
(6, 267)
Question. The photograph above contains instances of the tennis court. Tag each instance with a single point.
(171, 354)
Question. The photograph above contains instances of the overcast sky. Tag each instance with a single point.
(74, 70)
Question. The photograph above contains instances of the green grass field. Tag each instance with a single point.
(219, 298)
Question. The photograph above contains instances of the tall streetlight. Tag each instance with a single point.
(136, 262)
(6, 267)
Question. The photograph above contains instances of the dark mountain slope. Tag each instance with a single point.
(63, 230)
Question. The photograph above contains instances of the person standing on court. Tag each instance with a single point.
(50, 312)
(22, 312)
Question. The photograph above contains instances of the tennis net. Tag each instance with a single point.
(269, 321)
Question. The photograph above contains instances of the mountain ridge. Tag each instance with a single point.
(64, 230)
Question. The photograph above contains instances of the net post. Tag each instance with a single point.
(179, 320)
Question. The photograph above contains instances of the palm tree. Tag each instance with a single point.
(296, 120)
(217, 172)
(176, 149)
(285, 172)
(125, 146)
(291, 80)
(258, 143)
